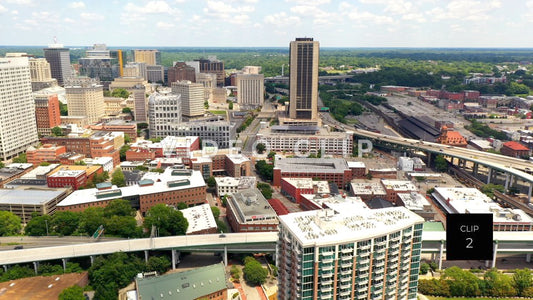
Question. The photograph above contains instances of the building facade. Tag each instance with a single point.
(181, 71)
(155, 74)
(47, 112)
(18, 128)
(303, 82)
(215, 66)
(164, 114)
(192, 98)
(335, 170)
(149, 57)
(248, 211)
(85, 97)
(59, 59)
(250, 90)
(349, 254)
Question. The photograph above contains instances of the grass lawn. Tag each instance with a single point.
(218, 112)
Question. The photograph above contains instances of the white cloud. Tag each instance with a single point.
(318, 15)
(164, 25)
(282, 20)
(91, 17)
(13, 12)
(468, 10)
(151, 7)
(233, 14)
(363, 16)
(69, 20)
(310, 2)
(2, 9)
(19, 2)
(77, 5)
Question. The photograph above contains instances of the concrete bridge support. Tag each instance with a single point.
(489, 175)
(64, 260)
(146, 256)
(173, 252)
(225, 255)
(441, 252)
(495, 254)
(475, 169)
(507, 178)
(36, 267)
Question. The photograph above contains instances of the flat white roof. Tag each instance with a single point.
(67, 173)
(244, 182)
(39, 171)
(356, 164)
(399, 185)
(366, 187)
(327, 227)
(89, 195)
(199, 217)
(414, 200)
(309, 183)
(471, 200)
(237, 158)
(29, 196)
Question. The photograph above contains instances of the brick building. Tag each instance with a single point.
(334, 170)
(47, 112)
(249, 211)
(515, 149)
(67, 178)
(452, 138)
(47, 153)
(294, 188)
(358, 169)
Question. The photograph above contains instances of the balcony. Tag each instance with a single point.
(346, 250)
(327, 253)
(346, 279)
(327, 268)
(347, 257)
(378, 264)
(326, 275)
(346, 265)
(346, 272)
(362, 289)
(326, 296)
(327, 282)
(326, 290)
(327, 261)
(344, 294)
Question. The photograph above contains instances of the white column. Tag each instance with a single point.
(441, 252)
(225, 255)
(489, 175)
(173, 251)
(494, 256)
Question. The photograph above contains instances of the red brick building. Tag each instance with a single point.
(63, 179)
(452, 138)
(249, 211)
(181, 71)
(334, 170)
(294, 188)
(140, 154)
(129, 129)
(47, 113)
(47, 153)
(515, 149)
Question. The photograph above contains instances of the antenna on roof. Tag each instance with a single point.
(55, 39)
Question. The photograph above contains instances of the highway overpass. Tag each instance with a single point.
(264, 242)
(513, 168)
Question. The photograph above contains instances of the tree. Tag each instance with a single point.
(10, 224)
(158, 264)
(254, 272)
(264, 169)
(424, 268)
(74, 292)
(142, 125)
(119, 207)
(260, 148)
(265, 189)
(2, 165)
(65, 222)
(126, 110)
(441, 164)
(216, 212)
(38, 225)
(498, 284)
(57, 131)
(488, 189)
(235, 272)
(118, 178)
(91, 218)
(44, 164)
(182, 205)
(127, 139)
(63, 109)
(122, 152)
(211, 182)
(462, 283)
(120, 93)
(271, 155)
(221, 226)
(167, 220)
(230, 106)
(123, 226)
(522, 280)
(21, 159)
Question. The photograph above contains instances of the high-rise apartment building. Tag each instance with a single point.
(149, 57)
(47, 112)
(41, 76)
(59, 59)
(215, 66)
(250, 90)
(303, 80)
(18, 129)
(181, 71)
(164, 114)
(349, 253)
(192, 98)
(85, 97)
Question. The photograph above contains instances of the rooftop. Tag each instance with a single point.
(327, 227)
(162, 182)
(414, 200)
(67, 173)
(398, 185)
(192, 284)
(39, 171)
(367, 187)
(356, 164)
(322, 187)
(244, 182)
(249, 205)
(29, 196)
(200, 218)
(312, 165)
(515, 146)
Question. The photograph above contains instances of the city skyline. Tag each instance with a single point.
(258, 23)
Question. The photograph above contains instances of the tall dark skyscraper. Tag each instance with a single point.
(303, 82)
(59, 59)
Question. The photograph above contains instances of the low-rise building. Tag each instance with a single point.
(515, 149)
(105, 162)
(47, 153)
(35, 177)
(367, 189)
(171, 187)
(294, 188)
(385, 173)
(229, 185)
(471, 200)
(358, 169)
(13, 171)
(418, 204)
(395, 187)
(248, 211)
(334, 170)
(201, 219)
(24, 201)
(67, 179)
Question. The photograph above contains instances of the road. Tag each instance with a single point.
(8, 243)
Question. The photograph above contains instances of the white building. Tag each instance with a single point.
(229, 185)
(250, 90)
(192, 97)
(209, 81)
(18, 127)
(201, 219)
(85, 97)
(105, 162)
(164, 114)
(472, 201)
(349, 254)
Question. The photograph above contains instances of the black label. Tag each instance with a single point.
(469, 237)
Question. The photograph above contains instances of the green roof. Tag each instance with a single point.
(185, 285)
(433, 226)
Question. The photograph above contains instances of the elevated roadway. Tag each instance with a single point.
(264, 242)
(514, 168)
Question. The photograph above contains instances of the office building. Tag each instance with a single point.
(138, 93)
(99, 64)
(215, 66)
(47, 153)
(250, 90)
(41, 75)
(214, 133)
(209, 81)
(155, 74)
(18, 129)
(349, 253)
(149, 57)
(164, 114)
(303, 81)
(47, 112)
(334, 170)
(135, 69)
(192, 98)
(59, 59)
(181, 71)
(85, 97)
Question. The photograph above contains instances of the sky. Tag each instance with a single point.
(268, 23)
